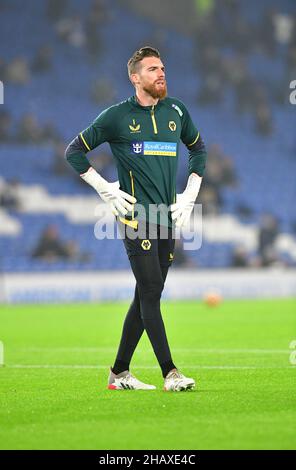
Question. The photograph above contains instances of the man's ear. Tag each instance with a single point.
(135, 78)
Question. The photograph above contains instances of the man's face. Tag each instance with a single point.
(151, 77)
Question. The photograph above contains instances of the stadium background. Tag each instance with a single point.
(231, 62)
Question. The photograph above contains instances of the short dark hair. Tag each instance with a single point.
(138, 56)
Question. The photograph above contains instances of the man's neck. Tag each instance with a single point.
(145, 100)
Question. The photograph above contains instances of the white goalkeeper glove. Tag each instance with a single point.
(119, 201)
(182, 208)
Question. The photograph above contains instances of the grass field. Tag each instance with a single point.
(53, 387)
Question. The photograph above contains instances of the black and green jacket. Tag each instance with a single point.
(145, 144)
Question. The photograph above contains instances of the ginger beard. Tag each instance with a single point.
(158, 89)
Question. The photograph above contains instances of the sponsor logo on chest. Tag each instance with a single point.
(167, 149)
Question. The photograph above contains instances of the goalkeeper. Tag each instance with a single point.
(144, 133)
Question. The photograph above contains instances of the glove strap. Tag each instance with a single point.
(95, 180)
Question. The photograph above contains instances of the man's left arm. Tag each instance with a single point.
(194, 143)
(190, 136)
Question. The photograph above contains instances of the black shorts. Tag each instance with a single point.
(148, 240)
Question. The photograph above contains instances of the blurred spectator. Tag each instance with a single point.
(206, 32)
(71, 31)
(220, 170)
(50, 133)
(266, 32)
(98, 9)
(263, 120)
(242, 35)
(56, 9)
(228, 174)
(219, 173)
(93, 39)
(9, 195)
(213, 174)
(5, 126)
(18, 71)
(29, 130)
(291, 61)
(43, 60)
(238, 76)
(52, 248)
(96, 18)
(210, 199)
(211, 71)
(267, 236)
(211, 91)
(245, 96)
(239, 257)
(225, 15)
(271, 258)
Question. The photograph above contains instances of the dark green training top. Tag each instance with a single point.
(145, 144)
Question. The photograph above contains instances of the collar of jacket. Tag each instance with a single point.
(134, 102)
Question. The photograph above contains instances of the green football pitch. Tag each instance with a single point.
(53, 391)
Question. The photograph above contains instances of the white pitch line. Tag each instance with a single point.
(83, 366)
(177, 350)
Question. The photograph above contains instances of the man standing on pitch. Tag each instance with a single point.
(144, 133)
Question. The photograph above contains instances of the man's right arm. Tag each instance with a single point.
(87, 140)
(97, 133)
(76, 155)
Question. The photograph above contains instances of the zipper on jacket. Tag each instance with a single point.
(154, 121)
(133, 192)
